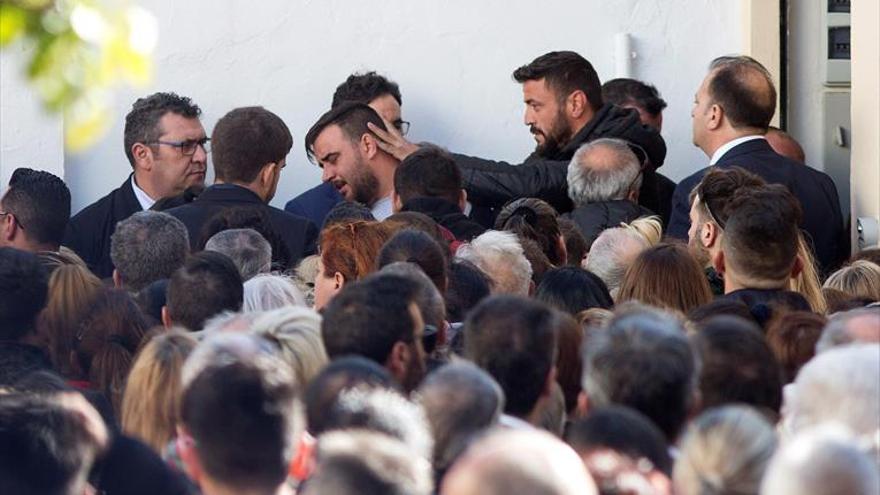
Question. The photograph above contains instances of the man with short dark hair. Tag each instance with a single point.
(378, 318)
(250, 149)
(564, 109)
(206, 285)
(34, 211)
(514, 340)
(167, 148)
(146, 247)
(23, 294)
(732, 112)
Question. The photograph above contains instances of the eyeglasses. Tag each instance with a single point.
(14, 218)
(402, 126)
(643, 158)
(189, 146)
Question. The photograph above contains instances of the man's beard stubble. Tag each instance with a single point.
(555, 139)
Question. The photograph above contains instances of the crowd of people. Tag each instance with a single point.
(429, 322)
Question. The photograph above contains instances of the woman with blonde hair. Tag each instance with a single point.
(296, 331)
(152, 396)
(807, 283)
(859, 279)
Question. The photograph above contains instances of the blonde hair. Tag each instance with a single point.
(860, 279)
(266, 291)
(72, 290)
(725, 450)
(151, 404)
(649, 228)
(807, 282)
(297, 332)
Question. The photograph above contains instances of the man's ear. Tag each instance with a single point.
(368, 146)
(339, 280)
(396, 203)
(462, 200)
(142, 155)
(117, 279)
(562, 250)
(166, 318)
(716, 116)
(718, 261)
(576, 104)
(8, 227)
(267, 173)
(186, 448)
(398, 360)
(709, 234)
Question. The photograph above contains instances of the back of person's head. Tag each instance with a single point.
(659, 377)
(416, 247)
(238, 407)
(430, 172)
(564, 72)
(107, 340)
(207, 284)
(40, 204)
(360, 461)
(650, 228)
(417, 220)
(792, 337)
(460, 401)
(514, 340)
(296, 332)
(666, 276)
(245, 140)
(428, 299)
(837, 301)
(573, 289)
(860, 278)
(351, 249)
(346, 212)
(575, 243)
(534, 219)
(743, 88)
(151, 403)
(148, 246)
(267, 292)
(612, 253)
(700, 315)
(519, 462)
(838, 385)
(821, 461)
(500, 256)
(717, 188)
(868, 254)
(725, 450)
(860, 325)
(49, 443)
(761, 236)
(250, 252)
(142, 123)
(341, 374)
(785, 144)
(468, 285)
(364, 88)
(24, 286)
(737, 365)
(604, 169)
(631, 92)
(247, 217)
(623, 430)
(352, 118)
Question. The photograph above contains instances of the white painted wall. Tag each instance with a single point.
(453, 61)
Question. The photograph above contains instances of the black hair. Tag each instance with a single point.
(24, 289)
(428, 172)
(564, 72)
(207, 284)
(467, 286)
(40, 202)
(245, 140)
(348, 212)
(351, 117)
(142, 122)
(624, 91)
(573, 289)
(364, 88)
(416, 247)
(744, 90)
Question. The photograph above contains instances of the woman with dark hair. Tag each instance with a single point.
(573, 289)
(417, 247)
(348, 253)
(535, 219)
(666, 276)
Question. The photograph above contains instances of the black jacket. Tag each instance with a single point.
(822, 220)
(593, 218)
(492, 183)
(88, 232)
(298, 234)
(447, 215)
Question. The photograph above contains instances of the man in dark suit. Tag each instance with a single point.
(250, 146)
(731, 114)
(166, 146)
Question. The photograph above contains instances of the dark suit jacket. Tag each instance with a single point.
(88, 232)
(315, 203)
(299, 234)
(823, 220)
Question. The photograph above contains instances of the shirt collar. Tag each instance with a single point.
(730, 145)
(382, 208)
(143, 198)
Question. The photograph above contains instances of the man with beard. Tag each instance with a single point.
(351, 158)
(564, 109)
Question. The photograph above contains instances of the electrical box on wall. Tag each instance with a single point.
(836, 43)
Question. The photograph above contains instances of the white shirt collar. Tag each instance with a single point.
(382, 208)
(514, 423)
(143, 198)
(729, 145)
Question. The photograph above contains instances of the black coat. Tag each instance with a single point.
(492, 183)
(299, 235)
(447, 215)
(88, 232)
(822, 220)
(593, 218)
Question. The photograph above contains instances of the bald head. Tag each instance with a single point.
(743, 88)
(784, 144)
(603, 170)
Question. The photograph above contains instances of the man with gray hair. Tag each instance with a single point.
(500, 256)
(850, 327)
(612, 253)
(250, 251)
(604, 178)
(145, 247)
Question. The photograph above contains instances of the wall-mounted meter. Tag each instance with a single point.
(836, 42)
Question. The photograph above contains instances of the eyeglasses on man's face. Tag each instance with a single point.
(402, 126)
(189, 146)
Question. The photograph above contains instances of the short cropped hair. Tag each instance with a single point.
(249, 250)
(514, 340)
(416, 247)
(40, 202)
(245, 140)
(148, 246)
(207, 284)
(25, 289)
(500, 256)
(624, 91)
(744, 90)
(364, 88)
(564, 72)
(429, 172)
(717, 188)
(612, 176)
(142, 121)
(351, 117)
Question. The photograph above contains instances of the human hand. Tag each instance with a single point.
(392, 141)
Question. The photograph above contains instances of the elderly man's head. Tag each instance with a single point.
(612, 253)
(249, 250)
(604, 170)
(146, 247)
(500, 256)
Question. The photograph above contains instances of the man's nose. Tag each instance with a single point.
(326, 174)
(528, 118)
(200, 155)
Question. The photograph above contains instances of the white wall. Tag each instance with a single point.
(453, 61)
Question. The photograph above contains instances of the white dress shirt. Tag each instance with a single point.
(143, 198)
(729, 145)
(382, 208)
